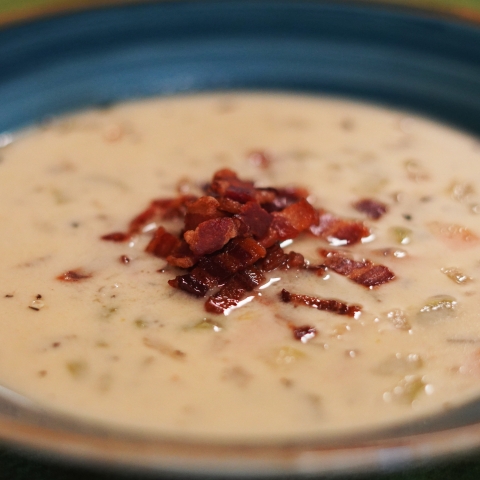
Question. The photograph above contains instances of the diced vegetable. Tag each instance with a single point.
(399, 364)
(401, 235)
(456, 275)
(437, 308)
(406, 390)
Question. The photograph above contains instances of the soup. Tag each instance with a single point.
(93, 328)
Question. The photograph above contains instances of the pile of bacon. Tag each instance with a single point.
(231, 238)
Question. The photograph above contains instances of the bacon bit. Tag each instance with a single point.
(234, 291)
(363, 272)
(73, 276)
(303, 333)
(329, 305)
(201, 210)
(294, 261)
(256, 219)
(275, 200)
(274, 258)
(371, 208)
(226, 183)
(339, 231)
(228, 205)
(124, 259)
(116, 237)
(211, 235)
(301, 215)
(183, 257)
(163, 243)
(162, 209)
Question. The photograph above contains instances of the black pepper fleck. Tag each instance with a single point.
(8, 295)
(406, 216)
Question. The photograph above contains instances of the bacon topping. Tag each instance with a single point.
(73, 276)
(211, 235)
(116, 237)
(303, 333)
(160, 209)
(329, 305)
(201, 210)
(163, 243)
(230, 239)
(338, 231)
(256, 219)
(363, 272)
(371, 208)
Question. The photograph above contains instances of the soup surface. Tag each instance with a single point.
(123, 347)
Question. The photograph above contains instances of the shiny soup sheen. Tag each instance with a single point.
(92, 328)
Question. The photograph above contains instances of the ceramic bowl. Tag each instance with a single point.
(409, 59)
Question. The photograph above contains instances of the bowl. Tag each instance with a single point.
(409, 59)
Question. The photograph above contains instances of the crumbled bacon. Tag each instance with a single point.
(211, 235)
(226, 184)
(301, 215)
(116, 237)
(339, 231)
(162, 243)
(256, 219)
(160, 209)
(201, 210)
(231, 238)
(73, 276)
(329, 305)
(371, 208)
(275, 200)
(363, 272)
(234, 290)
(303, 333)
(214, 270)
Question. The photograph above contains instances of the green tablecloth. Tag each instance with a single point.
(17, 465)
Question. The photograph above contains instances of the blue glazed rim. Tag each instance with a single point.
(411, 61)
(420, 63)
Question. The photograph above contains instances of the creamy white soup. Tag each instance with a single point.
(122, 347)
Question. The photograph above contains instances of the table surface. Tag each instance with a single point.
(19, 465)
(16, 465)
